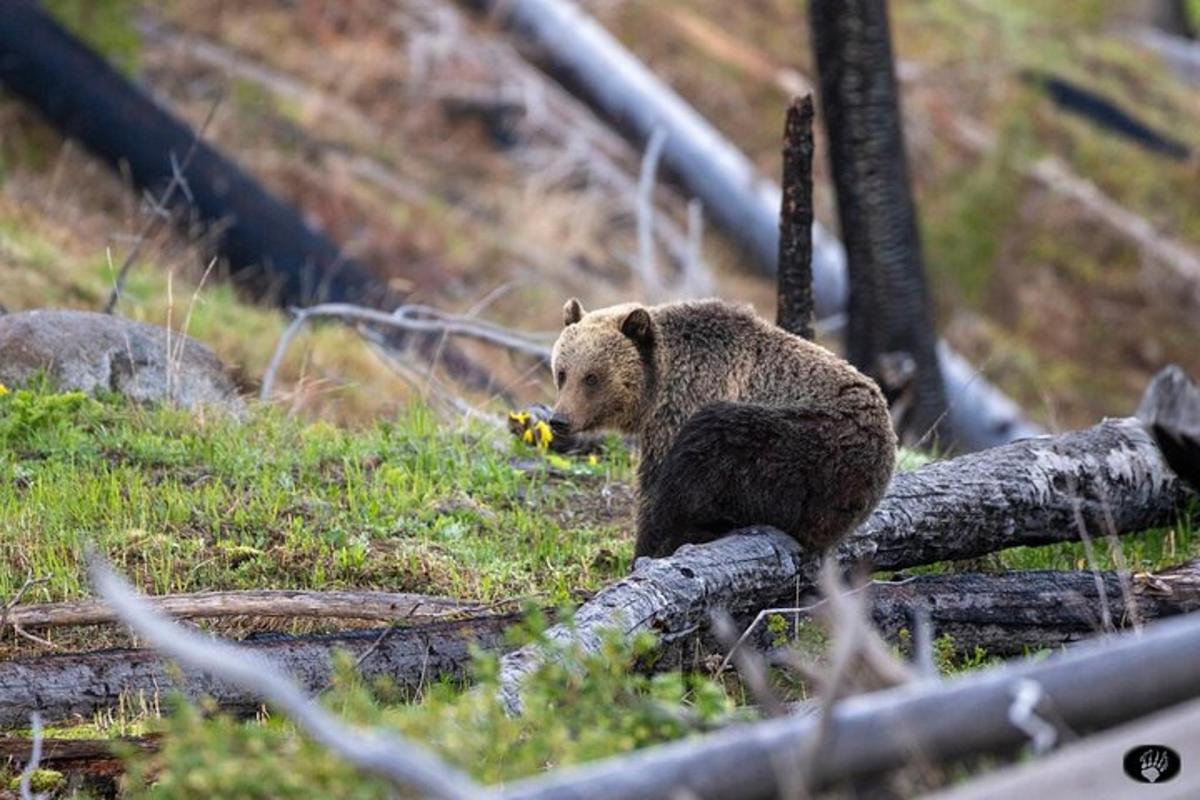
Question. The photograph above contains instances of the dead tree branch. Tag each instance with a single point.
(421, 319)
(383, 753)
(1024, 493)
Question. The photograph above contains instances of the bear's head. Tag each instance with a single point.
(603, 368)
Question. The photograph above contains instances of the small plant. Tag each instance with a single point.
(577, 708)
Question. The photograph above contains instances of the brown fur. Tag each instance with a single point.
(740, 422)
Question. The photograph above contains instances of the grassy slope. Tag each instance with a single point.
(186, 504)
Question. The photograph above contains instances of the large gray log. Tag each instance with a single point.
(63, 686)
(1093, 687)
(1094, 767)
(577, 50)
(1011, 613)
(1024, 493)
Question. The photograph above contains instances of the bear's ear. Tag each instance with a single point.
(638, 326)
(572, 312)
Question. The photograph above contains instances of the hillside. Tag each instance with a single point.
(385, 141)
(413, 134)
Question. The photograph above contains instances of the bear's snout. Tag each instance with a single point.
(560, 424)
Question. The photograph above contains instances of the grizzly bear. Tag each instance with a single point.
(739, 422)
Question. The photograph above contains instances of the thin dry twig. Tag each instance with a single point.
(160, 207)
(15, 600)
(383, 753)
(35, 758)
(750, 665)
(416, 318)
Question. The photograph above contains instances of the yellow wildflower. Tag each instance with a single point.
(593, 459)
(3, 390)
(543, 434)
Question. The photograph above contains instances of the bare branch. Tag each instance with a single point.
(405, 763)
(35, 758)
(423, 319)
(160, 207)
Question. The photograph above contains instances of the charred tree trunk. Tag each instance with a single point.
(264, 240)
(62, 686)
(889, 315)
(795, 280)
(1026, 493)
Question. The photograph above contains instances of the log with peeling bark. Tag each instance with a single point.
(1029, 492)
(1170, 410)
(573, 47)
(1012, 613)
(1094, 687)
(69, 685)
(90, 758)
(380, 606)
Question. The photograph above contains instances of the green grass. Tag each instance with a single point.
(185, 504)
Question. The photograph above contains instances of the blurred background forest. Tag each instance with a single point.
(412, 134)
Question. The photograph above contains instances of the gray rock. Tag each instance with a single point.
(85, 351)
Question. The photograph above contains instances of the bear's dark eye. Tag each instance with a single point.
(562, 377)
(590, 379)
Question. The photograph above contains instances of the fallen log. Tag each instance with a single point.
(87, 99)
(1094, 767)
(93, 758)
(267, 244)
(69, 685)
(1094, 687)
(1029, 492)
(573, 47)
(381, 606)
(1012, 613)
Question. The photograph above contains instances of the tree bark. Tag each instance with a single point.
(63, 686)
(1094, 766)
(571, 46)
(1008, 614)
(1025, 493)
(795, 293)
(382, 606)
(1093, 687)
(1170, 409)
(888, 309)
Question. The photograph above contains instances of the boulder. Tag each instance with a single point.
(89, 352)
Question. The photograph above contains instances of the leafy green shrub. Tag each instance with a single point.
(578, 708)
